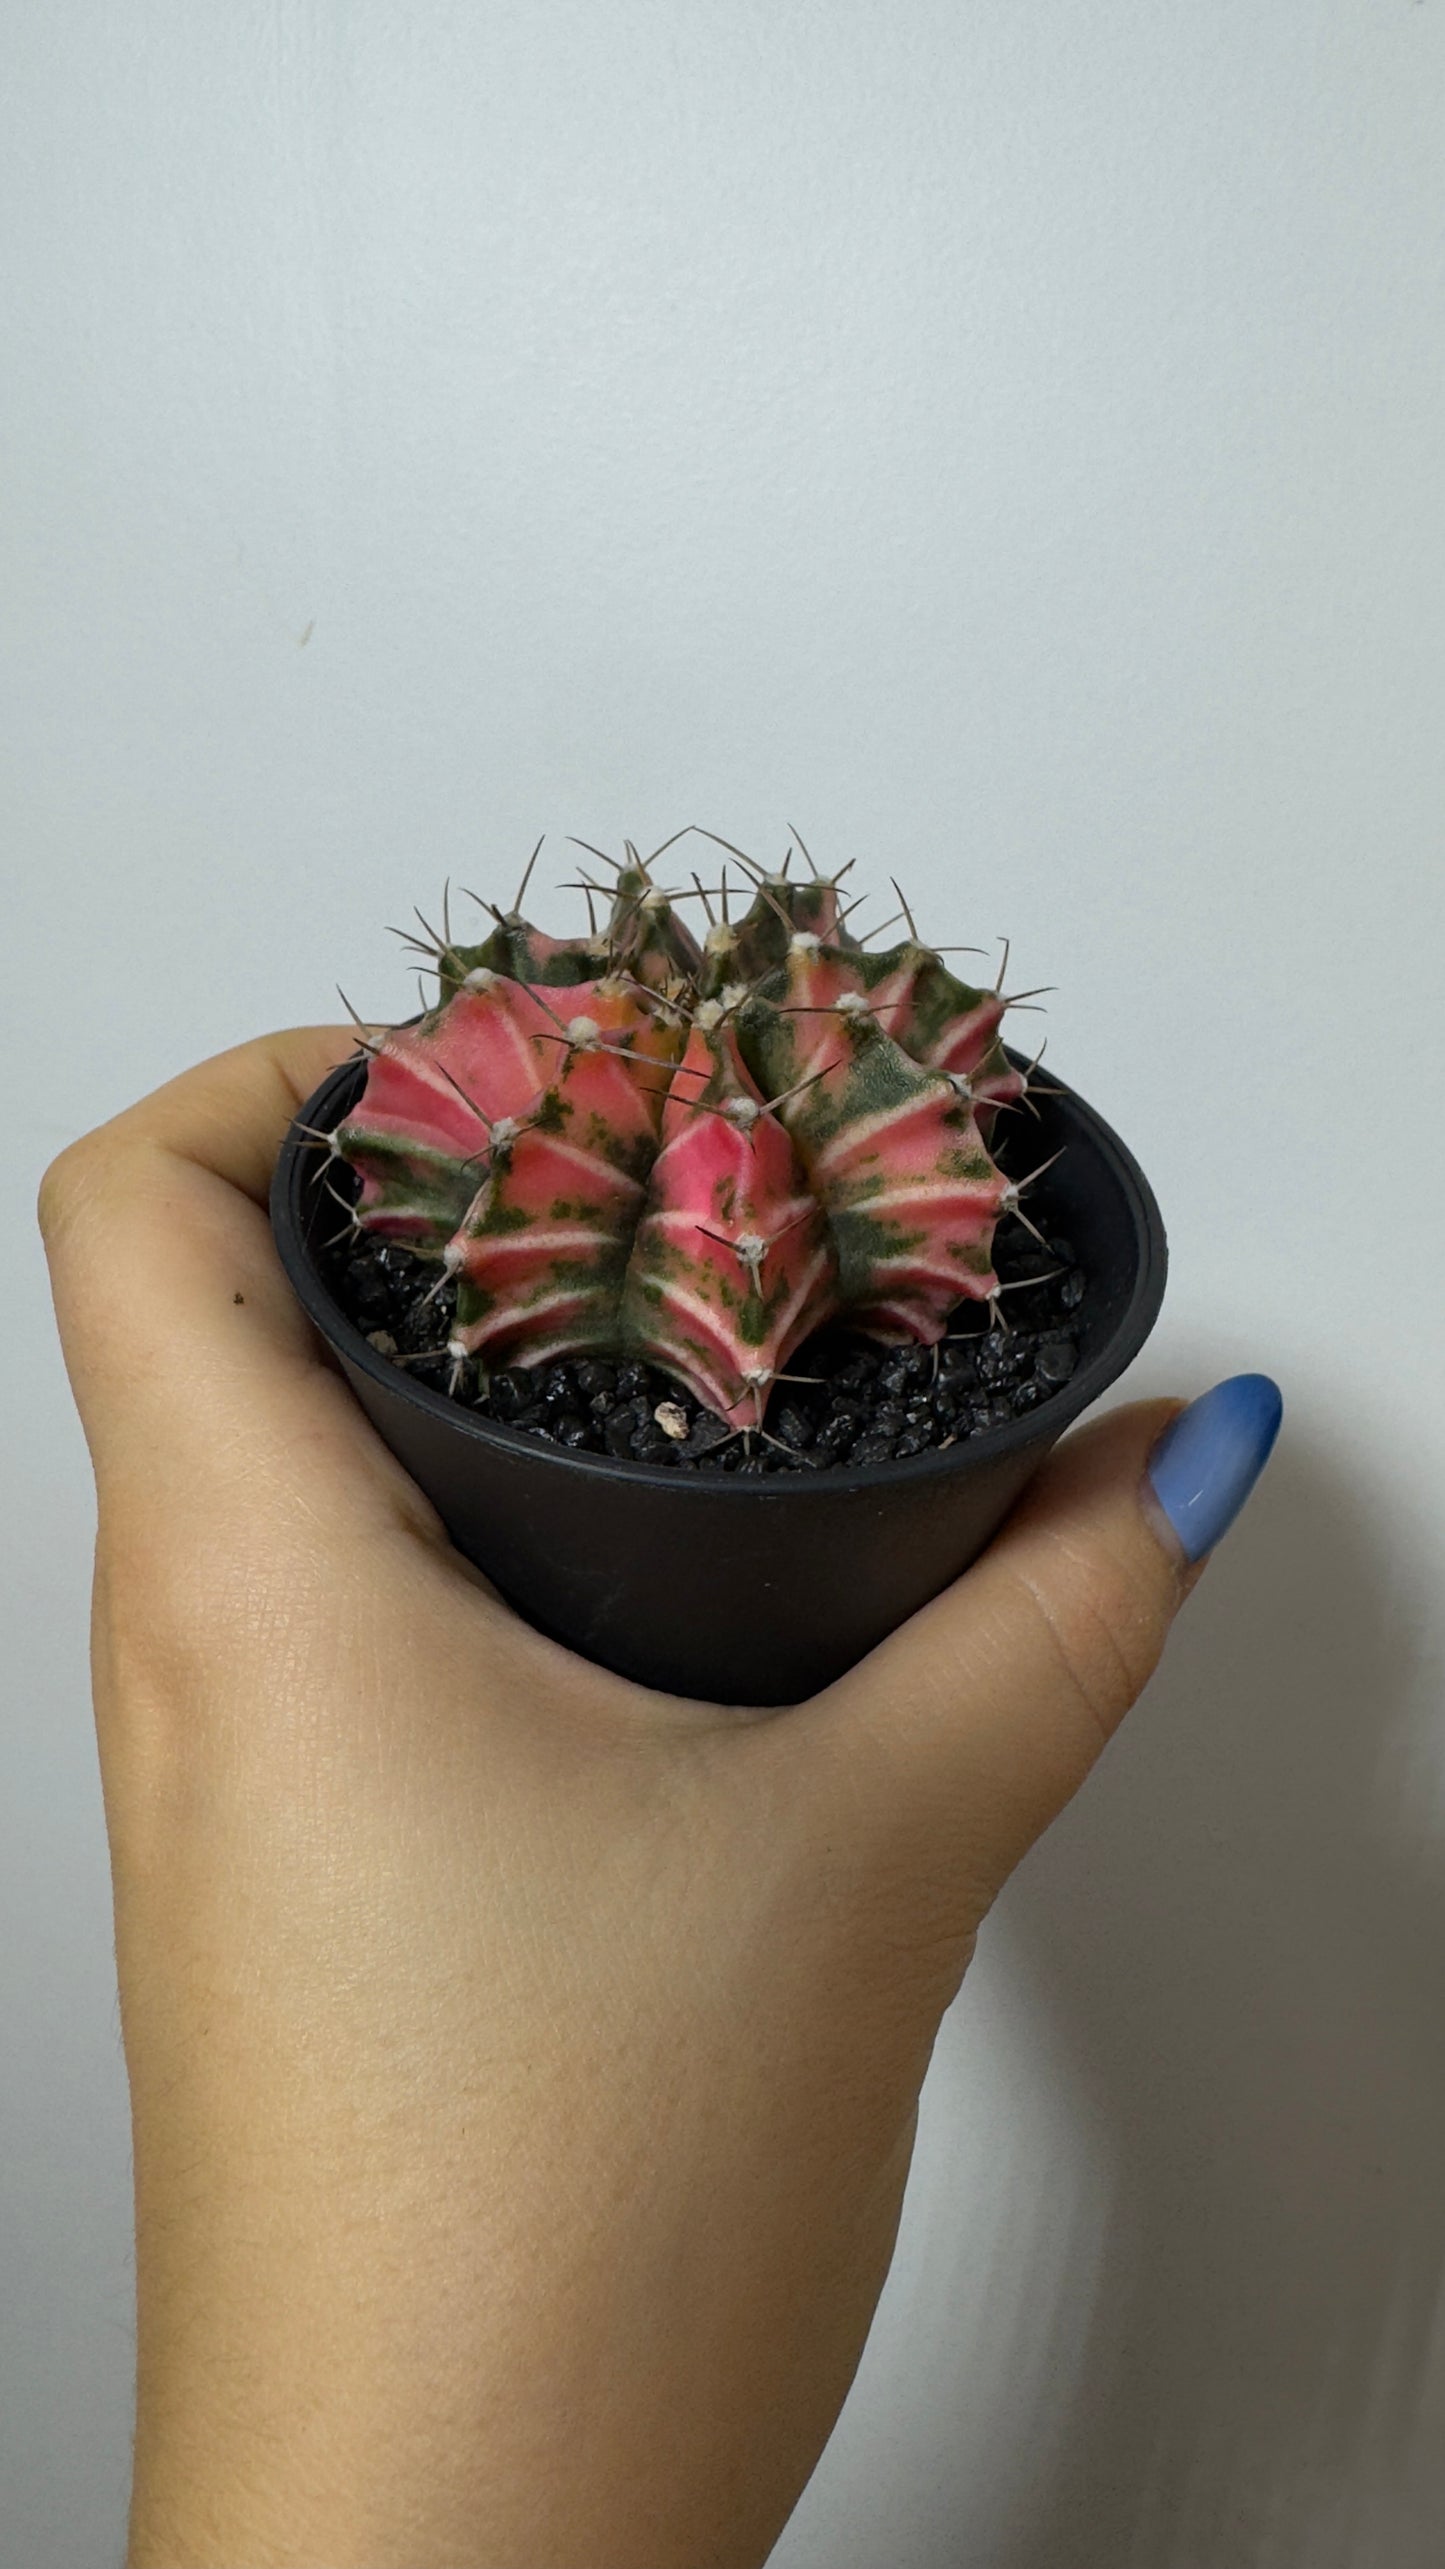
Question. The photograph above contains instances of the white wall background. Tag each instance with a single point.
(1008, 442)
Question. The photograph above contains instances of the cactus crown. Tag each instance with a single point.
(691, 1148)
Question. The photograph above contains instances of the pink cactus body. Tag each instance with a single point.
(733, 1265)
(636, 1146)
(542, 1254)
(649, 939)
(421, 1135)
(525, 953)
(944, 1024)
(893, 1152)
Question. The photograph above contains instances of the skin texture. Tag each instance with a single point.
(524, 2066)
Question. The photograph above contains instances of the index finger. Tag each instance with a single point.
(227, 1116)
(158, 1242)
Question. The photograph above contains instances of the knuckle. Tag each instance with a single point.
(66, 1187)
(1101, 1632)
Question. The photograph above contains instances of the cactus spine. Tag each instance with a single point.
(692, 1153)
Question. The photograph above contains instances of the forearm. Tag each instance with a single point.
(328, 2380)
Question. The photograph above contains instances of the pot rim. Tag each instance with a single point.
(989, 1445)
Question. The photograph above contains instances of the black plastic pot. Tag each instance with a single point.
(743, 1591)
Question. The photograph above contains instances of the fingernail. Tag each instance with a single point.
(1208, 1459)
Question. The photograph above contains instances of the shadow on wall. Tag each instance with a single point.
(1239, 1947)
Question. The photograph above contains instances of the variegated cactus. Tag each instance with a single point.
(693, 1153)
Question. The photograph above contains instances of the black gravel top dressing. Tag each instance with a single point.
(842, 1398)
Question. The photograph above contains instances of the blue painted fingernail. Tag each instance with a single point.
(1208, 1459)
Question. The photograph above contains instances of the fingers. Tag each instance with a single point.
(987, 1710)
(180, 1331)
(227, 1117)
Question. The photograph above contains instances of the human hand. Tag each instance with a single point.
(523, 2065)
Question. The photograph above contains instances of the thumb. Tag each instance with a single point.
(989, 1707)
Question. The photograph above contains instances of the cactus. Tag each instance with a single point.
(695, 1153)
